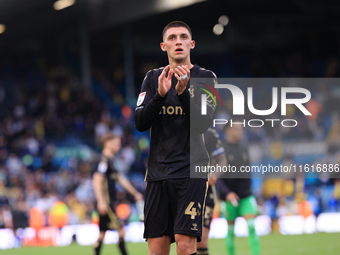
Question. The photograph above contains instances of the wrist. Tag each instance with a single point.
(159, 98)
(180, 92)
(160, 93)
(180, 89)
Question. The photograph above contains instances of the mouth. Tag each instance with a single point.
(179, 50)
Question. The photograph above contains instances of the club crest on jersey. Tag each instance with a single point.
(191, 90)
(102, 167)
(141, 98)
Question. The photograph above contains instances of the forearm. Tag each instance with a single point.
(97, 188)
(124, 182)
(221, 160)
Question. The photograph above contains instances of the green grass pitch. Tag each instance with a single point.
(274, 244)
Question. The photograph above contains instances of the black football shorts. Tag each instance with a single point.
(110, 221)
(174, 206)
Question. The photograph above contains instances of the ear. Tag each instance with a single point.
(193, 43)
(163, 47)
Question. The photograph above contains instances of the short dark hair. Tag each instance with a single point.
(176, 23)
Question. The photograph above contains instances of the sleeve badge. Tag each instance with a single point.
(141, 98)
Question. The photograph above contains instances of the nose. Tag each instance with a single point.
(178, 41)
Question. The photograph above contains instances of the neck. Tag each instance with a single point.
(108, 153)
(234, 141)
(174, 63)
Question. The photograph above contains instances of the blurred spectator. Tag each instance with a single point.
(20, 215)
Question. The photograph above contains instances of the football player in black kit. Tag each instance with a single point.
(235, 193)
(174, 201)
(104, 186)
(215, 149)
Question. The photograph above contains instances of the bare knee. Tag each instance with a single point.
(186, 244)
(100, 238)
(183, 248)
(249, 216)
(158, 253)
(231, 222)
(159, 245)
(121, 233)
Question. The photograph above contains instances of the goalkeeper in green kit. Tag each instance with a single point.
(235, 190)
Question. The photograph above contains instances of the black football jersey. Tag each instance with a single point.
(176, 125)
(106, 168)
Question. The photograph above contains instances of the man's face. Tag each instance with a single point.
(114, 144)
(177, 42)
(235, 133)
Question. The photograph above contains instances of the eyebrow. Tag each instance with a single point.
(176, 35)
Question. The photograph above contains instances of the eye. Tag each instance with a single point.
(171, 37)
(184, 36)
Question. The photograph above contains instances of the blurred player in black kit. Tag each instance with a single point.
(174, 201)
(235, 193)
(104, 186)
(215, 149)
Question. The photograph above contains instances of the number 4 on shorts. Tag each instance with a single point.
(190, 210)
